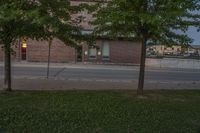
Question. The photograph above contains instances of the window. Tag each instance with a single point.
(105, 50)
(92, 52)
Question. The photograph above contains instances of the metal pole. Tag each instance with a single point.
(19, 50)
(49, 56)
(76, 56)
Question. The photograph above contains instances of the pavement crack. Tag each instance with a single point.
(58, 73)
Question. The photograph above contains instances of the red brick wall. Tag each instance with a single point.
(15, 55)
(37, 51)
(120, 52)
(85, 49)
(85, 15)
(125, 52)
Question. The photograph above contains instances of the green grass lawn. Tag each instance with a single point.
(100, 112)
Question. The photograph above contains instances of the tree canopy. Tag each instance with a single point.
(163, 21)
(37, 19)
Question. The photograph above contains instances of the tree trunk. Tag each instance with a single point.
(142, 68)
(7, 67)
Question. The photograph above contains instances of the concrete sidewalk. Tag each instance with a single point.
(80, 84)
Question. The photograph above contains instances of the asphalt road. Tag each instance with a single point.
(105, 74)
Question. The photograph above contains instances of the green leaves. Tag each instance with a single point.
(41, 19)
(157, 20)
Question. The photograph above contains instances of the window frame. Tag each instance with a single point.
(89, 52)
(105, 57)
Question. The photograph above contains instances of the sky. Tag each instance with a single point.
(192, 32)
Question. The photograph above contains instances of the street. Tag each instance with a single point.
(103, 76)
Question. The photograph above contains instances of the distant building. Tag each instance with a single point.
(165, 50)
(193, 50)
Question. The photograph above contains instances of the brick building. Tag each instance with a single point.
(37, 51)
(113, 51)
(106, 50)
